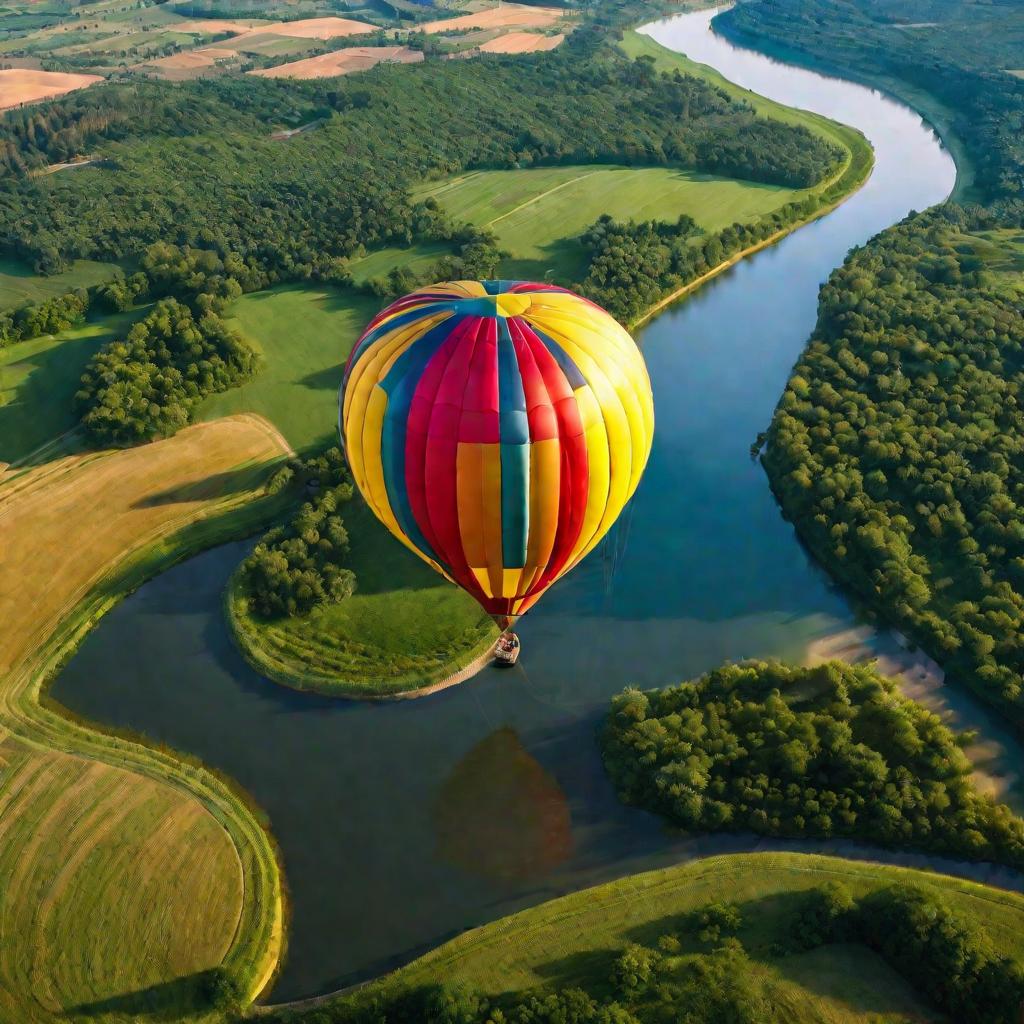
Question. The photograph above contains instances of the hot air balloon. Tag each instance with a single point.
(497, 428)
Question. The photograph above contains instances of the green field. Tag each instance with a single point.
(1002, 253)
(38, 381)
(539, 213)
(572, 941)
(416, 258)
(20, 286)
(304, 334)
(125, 874)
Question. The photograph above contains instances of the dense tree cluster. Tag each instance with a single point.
(959, 53)
(476, 256)
(634, 265)
(896, 447)
(149, 385)
(71, 126)
(949, 959)
(47, 317)
(943, 955)
(342, 188)
(826, 751)
(301, 565)
(643, 986)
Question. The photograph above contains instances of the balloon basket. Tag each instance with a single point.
(506, 650)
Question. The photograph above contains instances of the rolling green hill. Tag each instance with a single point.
(573, 941)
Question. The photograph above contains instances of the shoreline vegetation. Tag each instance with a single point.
(927, 532)
(831, 193)
(821, 752)
(940, 116)
(931, 109)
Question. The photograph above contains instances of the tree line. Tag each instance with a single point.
(150, 384)
(59, 313)
(959, 53)
(804, 752)
(631, 266)
(895, 447)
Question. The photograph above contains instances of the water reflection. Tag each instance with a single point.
(500, 815)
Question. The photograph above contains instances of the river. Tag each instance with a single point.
(402, 824)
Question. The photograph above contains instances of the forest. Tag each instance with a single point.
(895, 447)
(48, 317)
(149, 385)
(819, 752)
(294, 208)
(632, 266)
(698, 970)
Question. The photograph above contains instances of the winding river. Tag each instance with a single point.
(402, 824)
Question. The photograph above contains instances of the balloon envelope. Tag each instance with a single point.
(497, 428)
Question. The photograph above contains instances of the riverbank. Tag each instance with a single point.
(173, 868)
(851, 176)
(934, 112)
(272, 656)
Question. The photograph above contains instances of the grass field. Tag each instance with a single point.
(19, 285)
(124, 873)
(573, 940)
(539, 213)
(304, 335)
(38, 381)
(1001, 251)
(377, 264)
(404, 628)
